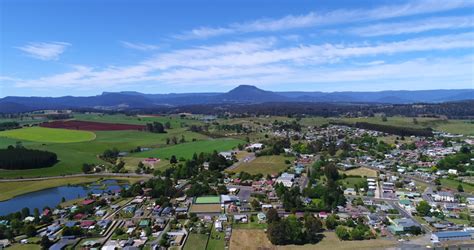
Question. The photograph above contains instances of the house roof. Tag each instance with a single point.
(447, 234)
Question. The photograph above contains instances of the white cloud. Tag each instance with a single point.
(260, 60)
(328, 18)
(139, 46)
(45, 50)
(436, 23)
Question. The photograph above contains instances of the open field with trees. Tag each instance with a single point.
(264, 165)
(71, 156)
(186, 150)
(257, 239)
(362, 171)
(196, 241)
(48, 135)
(12, 189)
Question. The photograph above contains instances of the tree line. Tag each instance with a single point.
(15, 158)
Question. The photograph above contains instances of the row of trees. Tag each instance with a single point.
(290, 230)
(156, 127)
(22, 158)
(9, 125)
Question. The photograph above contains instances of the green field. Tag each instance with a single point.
(174, 120)
(50, 135)
(465, 127)
(207, 200)
(71, 156)
(351, 181)
(187, 150)
(196, 241)
(264, 165)
(216, 240)
(453, 185)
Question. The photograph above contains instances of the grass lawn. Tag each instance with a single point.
(208, 200)
(268, 164)
(458, 221)
(257, 239)
(12, 189)
(362, 171)
(453, 185)
(187, 149)
(250, 225)
(351, 181)
(131, 163)
(216, 240)
(196, 241)
(71, 156)
(49, 135)
(24, 247)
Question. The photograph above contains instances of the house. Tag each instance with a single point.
(286, 179)
(255, 146)
(242, 218)
(87, 202)
(401, 226)
(222, 217)
(261, 217)
(444, 196)
(218, 225)
(87, 224)
(450, 235)
(350, 191)
(453, 171)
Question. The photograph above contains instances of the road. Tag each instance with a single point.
(246, 159)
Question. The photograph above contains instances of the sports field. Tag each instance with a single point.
(362, 171)
(264, 165)
(186, 150)
(38, 134)
(207, 200)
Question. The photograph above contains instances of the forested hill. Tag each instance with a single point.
(243, 94)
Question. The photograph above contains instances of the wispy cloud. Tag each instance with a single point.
(328, 18)
(139, 46)
(261, 60)
(418, 26)
(44, 50)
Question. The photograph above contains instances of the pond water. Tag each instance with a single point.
(51, 197)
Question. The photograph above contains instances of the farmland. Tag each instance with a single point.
(93, 126)
(71, 156)
(264, 165)
(48, 135)
(186, 150)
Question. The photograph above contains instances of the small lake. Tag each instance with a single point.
(51, 197)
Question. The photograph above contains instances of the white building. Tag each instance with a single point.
(444, 196)
(286, 179)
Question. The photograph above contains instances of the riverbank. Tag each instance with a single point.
(12, 189)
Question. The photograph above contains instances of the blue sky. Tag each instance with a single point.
(56, 48)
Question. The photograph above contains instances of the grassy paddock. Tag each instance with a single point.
(362, 171)
(257, 239)
(49, 135)
(196, 241)
(12, 189)
(187, 150)
(264, 164)
(71, 156)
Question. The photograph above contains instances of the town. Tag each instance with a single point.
(293, 184)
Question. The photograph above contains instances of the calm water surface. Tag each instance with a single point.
(51, 197)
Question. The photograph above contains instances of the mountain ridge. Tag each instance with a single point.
(243, 94)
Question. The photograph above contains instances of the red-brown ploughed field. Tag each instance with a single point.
(95, 126)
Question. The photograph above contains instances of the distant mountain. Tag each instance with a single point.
(243, 94)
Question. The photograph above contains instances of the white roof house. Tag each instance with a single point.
(286, 179)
